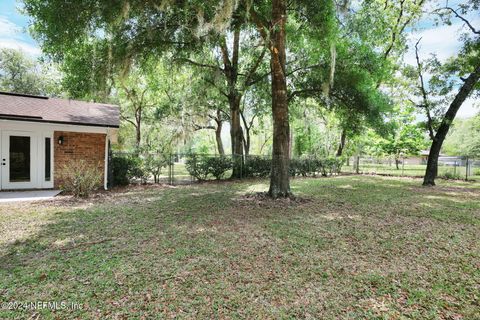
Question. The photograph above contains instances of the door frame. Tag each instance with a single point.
(5, 154)
(47, 130)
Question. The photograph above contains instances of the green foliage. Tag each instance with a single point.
(203, 166)
(80, 178)
(402, 136)
(312, 166)
(22, 74)
(317, 132)
(451, 175)
(257, 166)
(464, 138)
(126, 168)
(331, 165)
(197, 167)
(153, 164)
(120, 167)
(306, 166)
(218, 166)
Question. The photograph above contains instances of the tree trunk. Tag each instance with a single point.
(246, 136)
(138, 136)
(432, 162)
(342, 143)
(280, 177)
(234, 99)
(138, 128)
(218, 138)
(246, 141)
(236, 134)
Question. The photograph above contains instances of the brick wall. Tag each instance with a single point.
(89, 147)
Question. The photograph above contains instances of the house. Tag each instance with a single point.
(420, 159)
(39, 135)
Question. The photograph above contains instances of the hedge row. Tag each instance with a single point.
(128, 168)
(203, 167)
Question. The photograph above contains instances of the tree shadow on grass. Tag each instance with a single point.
(151, 252)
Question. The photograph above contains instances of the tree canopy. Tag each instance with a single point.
(276, 73)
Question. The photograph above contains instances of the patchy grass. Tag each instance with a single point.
(354, 247)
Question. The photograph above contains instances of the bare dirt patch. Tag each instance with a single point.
(262, 199)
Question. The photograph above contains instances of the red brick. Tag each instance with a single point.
(89, 147)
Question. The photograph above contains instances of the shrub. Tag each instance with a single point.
(315, 166)
(451, 175)
(197, 166)
(256, 166)
(303, 167)
(201, 166)
(218, 166)
(331, 165)
(138, 170)
(126, 168)
(120, 167)
(80, 178)
(153, 164)
(311, 166)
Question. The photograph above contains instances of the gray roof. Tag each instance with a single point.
(53, 110)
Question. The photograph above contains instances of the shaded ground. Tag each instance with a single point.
(353, 247)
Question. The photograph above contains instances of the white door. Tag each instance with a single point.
(18, 160)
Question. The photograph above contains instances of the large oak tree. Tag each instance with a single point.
(136, 29)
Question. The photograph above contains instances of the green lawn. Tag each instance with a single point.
(352, 247)
(409, 170)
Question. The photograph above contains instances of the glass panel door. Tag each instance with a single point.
(19, 155)
(20, 161)
(48, 162)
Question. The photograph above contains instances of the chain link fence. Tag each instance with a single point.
(455, 167)
(178, 169)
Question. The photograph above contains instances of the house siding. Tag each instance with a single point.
(76, 146)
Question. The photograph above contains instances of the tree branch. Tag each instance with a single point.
(464, 20)
(197, 127)
(128, 120)
(260, 23)
(252, 71)
(426, 103)
(202, 65)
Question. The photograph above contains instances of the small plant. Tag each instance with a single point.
(80, 178)
(202, 166)
(450, 175)
(218, 166)
(197, 166)
(153, 164)
(138, 170)
(256, 166)
(120, 168)
(126, 168)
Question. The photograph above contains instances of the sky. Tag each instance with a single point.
(439, 40)
(13, 29)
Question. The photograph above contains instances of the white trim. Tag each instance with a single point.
(39, 131)
(105, 174)
(36, 126)
(46, 184)
(34, 161)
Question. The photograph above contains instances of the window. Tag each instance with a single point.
(48, 163)
(19, 159)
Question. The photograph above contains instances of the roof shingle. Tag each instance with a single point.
(54, 110)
